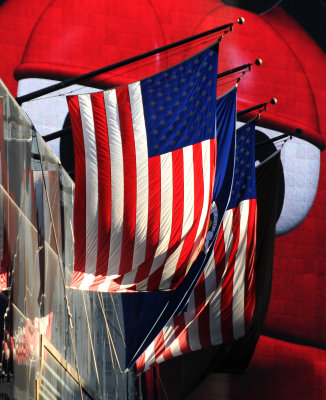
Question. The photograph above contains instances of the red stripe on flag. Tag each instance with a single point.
(177, 215)
(227, 285)
(180, 333)
(154, 279)
(200, 290)
(149, 384)
(104, 188)
(202, 312)
(198, 185)
(159, 345)
(204, 327)
(80, 192)
(213, 146)
(212, 169)
(179, 336)
(196, 245)
(182, 336)
(250, 299)
(140, 363)
(219, 254)
(184, 341)
(167, 354)
(153, 227)
(178, 200)
(200, 298)
(130, 180)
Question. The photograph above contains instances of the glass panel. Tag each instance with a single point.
(55, 382)
(36, 255)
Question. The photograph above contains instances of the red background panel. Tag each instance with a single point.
(293, 70)
(279, 370)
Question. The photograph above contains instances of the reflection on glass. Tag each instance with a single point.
(37, 253)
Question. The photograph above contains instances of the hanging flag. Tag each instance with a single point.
(235, 356)
(145, 159)
(145, 314)
(221, 305)
(148, 387)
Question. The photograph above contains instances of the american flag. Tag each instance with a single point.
(145, 157)
(221, 306)
(148, 386)
(145, 314)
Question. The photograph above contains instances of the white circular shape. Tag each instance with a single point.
(301, 163)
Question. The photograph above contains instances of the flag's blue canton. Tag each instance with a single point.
(225, 131)
(244, 185)
(179, 104)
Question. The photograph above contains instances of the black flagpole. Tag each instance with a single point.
(258, 62)
(275, 139)
(297, 133)
(262, 106)
(57, 134)
(80, 78)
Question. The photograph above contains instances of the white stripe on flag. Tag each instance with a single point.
(87, 120)
(193, 335)
(190, 314)
(117, 187)
(139, 128)
(228, 234)
(168, 335)
(149, 355)
(215, 313)
(239, 274)
(206, 152)
(167, 340)
(166, 214)
(207, 181)
(175, 346)
(215, 327)
(210, 275)
(188, 215)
